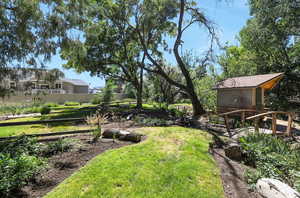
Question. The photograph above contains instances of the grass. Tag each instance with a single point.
(172, 162)
(42, 128)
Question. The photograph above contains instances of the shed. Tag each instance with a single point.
(246, 92)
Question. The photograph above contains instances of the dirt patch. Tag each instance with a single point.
(232, 174)
(61, 166)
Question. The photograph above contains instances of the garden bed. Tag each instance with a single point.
(64, 164)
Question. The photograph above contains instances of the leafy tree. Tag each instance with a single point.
(237, 61)
(268, 44)
(152, 21)
(109, 47)
(31, 32)
(158, 89)
(121, 39)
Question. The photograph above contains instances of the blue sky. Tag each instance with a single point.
(229, 17)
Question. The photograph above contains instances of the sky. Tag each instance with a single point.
(229, 16)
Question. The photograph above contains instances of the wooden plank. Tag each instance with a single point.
(267, 113)
(42, 122)
(49, 134)
(243, 118)
(274, 119)
(238, 111)
(289, 126)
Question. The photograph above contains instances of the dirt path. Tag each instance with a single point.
(232, 174)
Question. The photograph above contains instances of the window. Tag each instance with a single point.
(44, 86)
(12, 85)
(57, 86)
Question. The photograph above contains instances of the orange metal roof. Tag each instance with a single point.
(267, 81)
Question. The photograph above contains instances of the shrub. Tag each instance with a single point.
(22, 144)
(96, 99)
(272, 158)
(19, 162)
(61, 145)
(150, 121)
(45, 110)
(70, 103)
(51, 104)
(17, 170)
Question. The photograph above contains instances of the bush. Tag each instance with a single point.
(272, 157)
(69, 103)
(61, 145)
(19, 162)
(96, 99)
(51, 104)
(17, 170)
(45, 110)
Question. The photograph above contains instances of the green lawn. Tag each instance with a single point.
(172, 162)
(70, 112)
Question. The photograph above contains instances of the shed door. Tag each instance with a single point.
(259, 95)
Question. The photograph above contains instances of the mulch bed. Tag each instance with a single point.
(61, 166)
(232, 174)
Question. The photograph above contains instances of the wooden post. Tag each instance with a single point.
(227, 125)
(243, 118)
(274, 120)
(289, 126)
(256, 122)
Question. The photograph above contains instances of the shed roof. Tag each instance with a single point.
(266, 81)
(75, 82)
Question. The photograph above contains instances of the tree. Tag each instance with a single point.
(268, 44)
(122, 36)
(237, 61)
(155, 19)
(158, 89)
(31, 32)
(109, 47)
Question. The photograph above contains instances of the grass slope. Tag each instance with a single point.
(172, 162)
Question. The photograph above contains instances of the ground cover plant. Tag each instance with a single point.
(171, 162)
(271, 157)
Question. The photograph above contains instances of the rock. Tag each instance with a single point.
(272, 188)
(295, 146)
(233, 151)
(133, 137)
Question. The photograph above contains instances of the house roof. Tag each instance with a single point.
(266, 81)
(75, 82)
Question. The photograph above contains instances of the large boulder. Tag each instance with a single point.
(272, 188)
(233, 151)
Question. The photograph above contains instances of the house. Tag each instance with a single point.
(33, 82)
(245, 92)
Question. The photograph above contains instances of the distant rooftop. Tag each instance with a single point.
(250, 81)
(75, 82)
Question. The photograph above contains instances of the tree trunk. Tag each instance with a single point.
(139, 94)
(198, 110)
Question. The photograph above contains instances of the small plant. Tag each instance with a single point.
(70, 103)
(45, 110)
(61, 145)
(96, 120)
